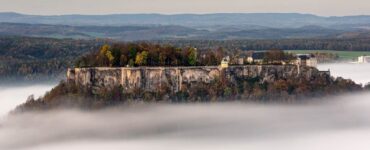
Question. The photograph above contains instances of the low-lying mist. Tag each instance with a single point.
(360, 73)
(12, 96)
(341, 122)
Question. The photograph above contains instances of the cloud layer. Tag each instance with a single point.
(337, 123)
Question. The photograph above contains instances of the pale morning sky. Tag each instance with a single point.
(57, 7)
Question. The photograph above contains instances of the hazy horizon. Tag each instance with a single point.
(154, 13)
(97, 7)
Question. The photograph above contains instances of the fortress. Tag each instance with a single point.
(175, 78)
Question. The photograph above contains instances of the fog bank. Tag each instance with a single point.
(10, 97)
(339, 123)
(360, 73)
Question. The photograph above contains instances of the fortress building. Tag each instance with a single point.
(364, 59)
(306, 60)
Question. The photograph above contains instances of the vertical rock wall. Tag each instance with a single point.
(152, 78)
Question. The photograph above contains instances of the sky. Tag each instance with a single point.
(60, 7)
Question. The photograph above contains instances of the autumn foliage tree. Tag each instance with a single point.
(277, 56)
(141, 58)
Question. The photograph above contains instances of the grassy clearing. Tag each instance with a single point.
(348, 55)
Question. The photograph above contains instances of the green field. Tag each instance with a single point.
(349, 55)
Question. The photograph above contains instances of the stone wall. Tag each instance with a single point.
(153, 78)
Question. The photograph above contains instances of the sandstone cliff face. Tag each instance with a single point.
(153, 78)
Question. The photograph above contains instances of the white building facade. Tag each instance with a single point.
(306, 60)
(364, 59)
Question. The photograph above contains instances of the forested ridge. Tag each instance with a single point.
(40, 58)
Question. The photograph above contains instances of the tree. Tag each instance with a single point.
(132, 53)
(110, 57)
(192, 57)
(104, 49)
(123, 60)
(227, 92)
(162, 59)
(116, 53)
(145, 54)
(102, 58)
(141, 58)
(289, 58)
(274, 56)
(131, 63)
(220, 54)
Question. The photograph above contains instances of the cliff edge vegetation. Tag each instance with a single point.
(154, 55)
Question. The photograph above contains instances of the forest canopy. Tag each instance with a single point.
(145, 54)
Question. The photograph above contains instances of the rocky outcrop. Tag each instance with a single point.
(153, 78)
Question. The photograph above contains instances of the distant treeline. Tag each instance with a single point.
(357, 44)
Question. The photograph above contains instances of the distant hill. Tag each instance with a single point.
(129, 33)
(165, 32)
(272, 20)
